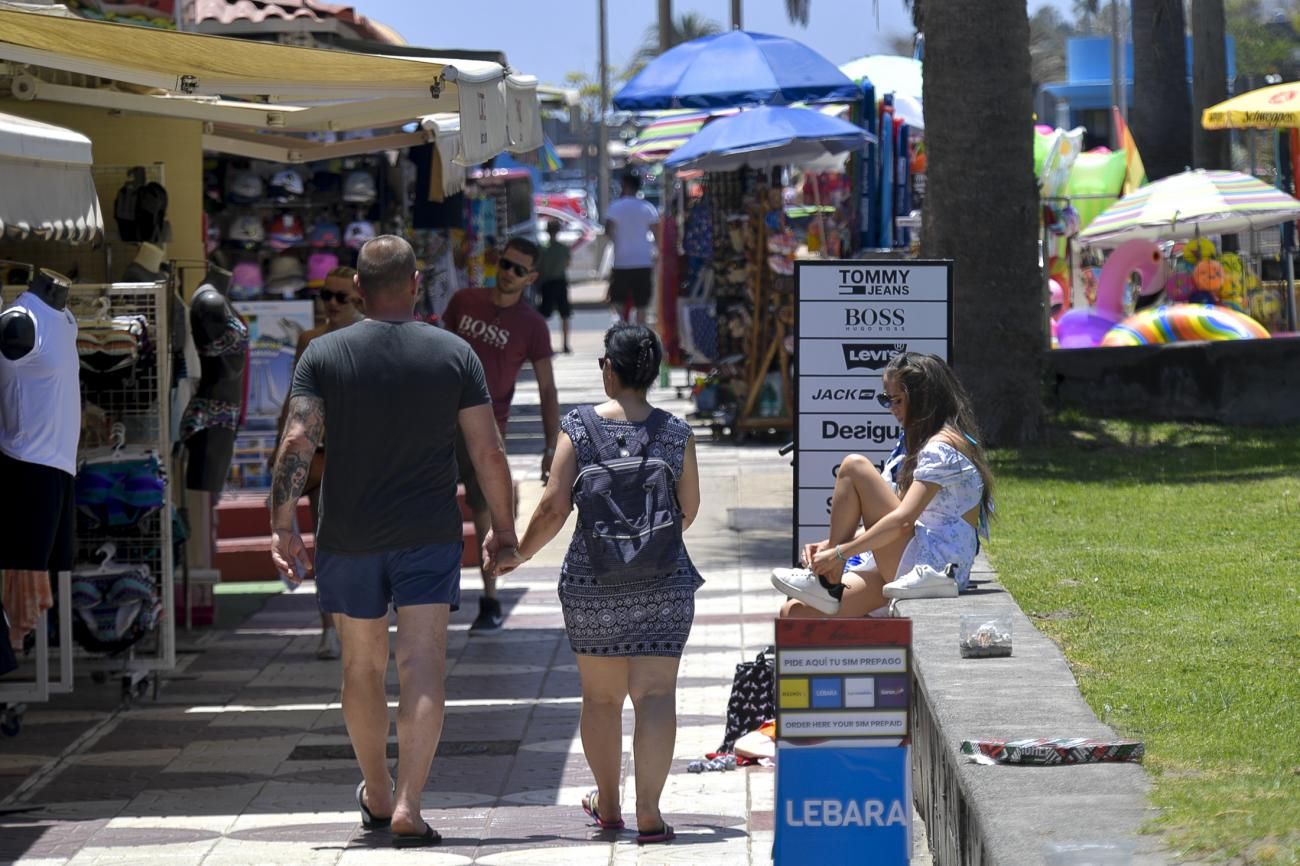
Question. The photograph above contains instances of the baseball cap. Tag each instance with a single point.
(245, 188)
(286, 231)
(319, 266)
(325, 235)
(246, 229)
(246, 280)
(213, 234)
(359, 187)
(358, 233)
(286, 185)
(286, 275)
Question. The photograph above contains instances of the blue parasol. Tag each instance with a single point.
(767, 136)
(735, 69)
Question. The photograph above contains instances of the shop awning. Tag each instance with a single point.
(48, 191)
(258, 86)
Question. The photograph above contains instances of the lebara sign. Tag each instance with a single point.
(852, 318)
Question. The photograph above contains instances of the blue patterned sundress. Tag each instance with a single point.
(638, 618)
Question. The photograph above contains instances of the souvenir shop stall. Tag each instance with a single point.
(736, 311)
(89, 371)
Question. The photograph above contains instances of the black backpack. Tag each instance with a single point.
(627, 504)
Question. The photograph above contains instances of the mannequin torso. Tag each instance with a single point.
(17, 328)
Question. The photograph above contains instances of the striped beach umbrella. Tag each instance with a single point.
(667, 132)
(1193, 203)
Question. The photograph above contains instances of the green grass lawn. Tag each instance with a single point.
(1164, 560)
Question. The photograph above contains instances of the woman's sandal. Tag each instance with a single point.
(428, 838)
(589, 806)
(663, 834)
(369, 821)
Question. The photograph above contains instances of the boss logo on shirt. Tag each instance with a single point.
(493, 335)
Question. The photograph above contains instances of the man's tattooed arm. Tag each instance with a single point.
(303, 432)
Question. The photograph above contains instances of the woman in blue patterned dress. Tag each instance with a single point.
(628, 636)
(920, 534)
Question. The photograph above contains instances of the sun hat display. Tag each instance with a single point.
(286, 186)
(358, 233)
(359, 187)
(247, 229)
(319, 266)
(245, 188)
(286, 231)
(286, 275)
(326, 234)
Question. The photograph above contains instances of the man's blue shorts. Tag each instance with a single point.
(363, 585)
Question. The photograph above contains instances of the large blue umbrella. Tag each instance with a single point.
(735, 69)
(766, 136)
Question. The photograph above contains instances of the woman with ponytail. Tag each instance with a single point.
(918, 535)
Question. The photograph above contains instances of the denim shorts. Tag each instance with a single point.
(363, 585)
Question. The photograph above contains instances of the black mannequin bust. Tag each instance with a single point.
(221, 340)
(17, 330)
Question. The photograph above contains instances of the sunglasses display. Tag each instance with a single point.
(519, 270)
(339, 297)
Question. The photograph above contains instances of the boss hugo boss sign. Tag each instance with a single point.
(852, 318)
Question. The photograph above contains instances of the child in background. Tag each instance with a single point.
(552, 277)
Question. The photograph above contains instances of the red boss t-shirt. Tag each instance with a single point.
(502, 337)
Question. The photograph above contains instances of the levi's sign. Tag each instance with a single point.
(852, 319)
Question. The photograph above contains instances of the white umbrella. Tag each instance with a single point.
(900, 76)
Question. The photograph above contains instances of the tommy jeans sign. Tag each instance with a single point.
(853, 317)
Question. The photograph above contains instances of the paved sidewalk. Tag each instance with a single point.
(244, 758)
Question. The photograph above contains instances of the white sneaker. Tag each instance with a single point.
(803, 585)
(923, 582)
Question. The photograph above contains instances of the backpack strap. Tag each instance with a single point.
(604, 444)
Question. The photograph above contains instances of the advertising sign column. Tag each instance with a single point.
(853, 316)
(843, 722)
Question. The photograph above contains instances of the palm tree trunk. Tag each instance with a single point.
(1161, 116)
(981, 209)
(1210, 148)
(665, 25)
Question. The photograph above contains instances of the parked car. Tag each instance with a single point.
(592, 255)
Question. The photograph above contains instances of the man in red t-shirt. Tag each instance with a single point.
(504, 334)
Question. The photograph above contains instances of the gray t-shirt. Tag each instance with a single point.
(392, 393)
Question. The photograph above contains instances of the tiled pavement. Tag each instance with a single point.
(243, 757)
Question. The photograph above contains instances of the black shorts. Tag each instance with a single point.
(474, 497)
(37, 516)
(636, 283)
(555, 298)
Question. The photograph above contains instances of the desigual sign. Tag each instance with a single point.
(853, 318)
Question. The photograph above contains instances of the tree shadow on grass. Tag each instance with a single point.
(1086, 449)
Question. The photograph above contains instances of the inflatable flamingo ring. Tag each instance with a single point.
(1084, 328)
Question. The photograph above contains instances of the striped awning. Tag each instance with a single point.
(668, 132)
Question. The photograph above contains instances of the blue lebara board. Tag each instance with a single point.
(843, 806)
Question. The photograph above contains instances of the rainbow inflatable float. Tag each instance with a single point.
(1175, 323)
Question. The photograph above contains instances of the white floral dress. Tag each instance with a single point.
(942, 534)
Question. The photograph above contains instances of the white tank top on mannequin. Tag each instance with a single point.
(40, 393)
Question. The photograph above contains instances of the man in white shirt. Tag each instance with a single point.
(633, 225)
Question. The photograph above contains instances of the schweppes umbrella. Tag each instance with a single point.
(1274, 107)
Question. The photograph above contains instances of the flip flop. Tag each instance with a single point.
(369, 821)
(663, 834)
(589, 806)
(428, 838)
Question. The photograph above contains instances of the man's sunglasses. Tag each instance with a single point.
(519, 270)
(341, 297)
(886, 400)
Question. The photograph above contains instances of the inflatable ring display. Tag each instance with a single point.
(1174, 323)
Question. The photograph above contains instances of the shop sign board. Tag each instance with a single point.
(852, 317)
(843, 716)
